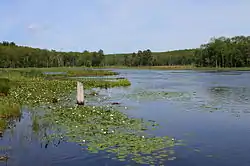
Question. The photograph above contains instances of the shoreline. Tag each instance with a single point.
(177, 68)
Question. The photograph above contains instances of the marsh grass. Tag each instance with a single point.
(99, 83)
(3, 125)
(70, 72)
(80, 73)
(9, 110)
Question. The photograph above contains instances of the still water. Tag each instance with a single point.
(211, 117)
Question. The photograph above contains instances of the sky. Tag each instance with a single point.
(121, 26)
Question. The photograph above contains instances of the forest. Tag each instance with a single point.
(219, 52)
(13, 56)
(224, 52)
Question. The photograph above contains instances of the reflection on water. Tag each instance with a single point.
(213, 120)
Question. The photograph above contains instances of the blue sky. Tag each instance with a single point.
(121, 25)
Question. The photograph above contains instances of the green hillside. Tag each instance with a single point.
(219, 52)
(176, 57)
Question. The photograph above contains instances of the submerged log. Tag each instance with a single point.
(80, 94)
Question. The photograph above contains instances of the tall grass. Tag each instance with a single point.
(9, 110)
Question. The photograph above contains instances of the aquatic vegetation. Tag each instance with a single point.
(30, 88)
(105, 129)
(8, 110)
(100, 83)
(157, 95)
(57, 72)
(93, 93)
(219, 89)
(97, 129)
(70, 72)
(80, 73)
(38, 91)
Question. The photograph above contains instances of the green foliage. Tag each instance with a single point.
(224, 52)
(13, 56)
(219, 52)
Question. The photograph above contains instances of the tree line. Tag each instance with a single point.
(13, 56)
(219, 52)
(224, 52)
(148, 58)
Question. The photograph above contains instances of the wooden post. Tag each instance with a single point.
(80, 94)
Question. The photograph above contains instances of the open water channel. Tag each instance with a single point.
(209, 111)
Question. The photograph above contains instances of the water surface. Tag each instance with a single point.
(209, 111)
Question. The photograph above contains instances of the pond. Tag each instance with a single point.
(209, 111)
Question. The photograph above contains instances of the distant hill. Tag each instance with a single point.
(185, 52)
(12, 55)
(176, 57)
